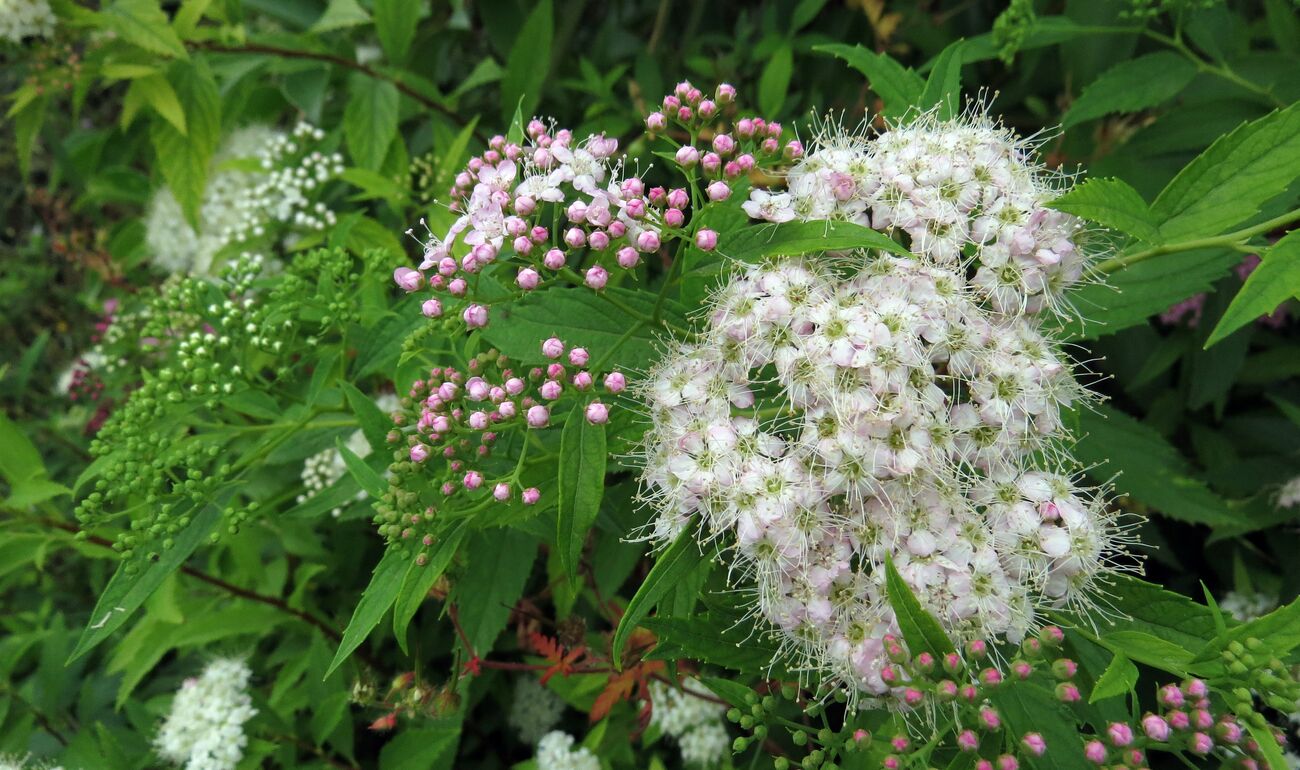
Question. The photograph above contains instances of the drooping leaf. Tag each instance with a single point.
(370, 120)
(340, 14)
(418, 580)
(385, 583)
(1143, 289)
(581, 485)
(1274, 281)
(1132, 85)
(1113, 203)
(529, 62)
(366, 477)
(678, 559)
(897, 86)
(752, 244)
(920, 629)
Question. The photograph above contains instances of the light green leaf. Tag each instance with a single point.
(1133, 85)
(374, 423)
(1268, 744)
(529, 62)
(340, 14)
(422, 748)
(943, 87)
(581, 485)
(20, 460)
(143, 23)
(774, 83)
(370, 120)
(1227, 184)
(1119, 677)
(1113, 203)
(920, 629)
(897, 86)
(370, 481)
(184, 158)
(27, 127)
(127, 71)
(385, 583)
(676, 561)
(396, 22)
(1275, 280)
(1151, 469)
(751, 244)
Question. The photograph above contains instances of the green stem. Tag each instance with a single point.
(1220, 70)
(1233, 240)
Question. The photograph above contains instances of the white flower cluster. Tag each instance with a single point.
(13, 762)
(964, 192)
(1247, 606)
(21, 19)
(321, 470)
(535, 710)
(205, 728)
(1289, 495)
(840, 412)
(555, 752)
(694, 722)
(261, 183)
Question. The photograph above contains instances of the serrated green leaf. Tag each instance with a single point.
(920, 629)
(20, 459)
(396, 22)
(1119, 678)
(340, 14)
(370, 121)
(1230, 181)
(1268, 744)
(529, 62)
(581, 485)
(1274, 281)
(897, 86)
(370, 481)
(1132, 85)
(1028, 706)
(143, 23)
(500, 562)
(730, 642)
(374, 423)
(678, 559)
(1113, 203)
(184, 158)
(422, 748)
(774, 83)
(943, 87)
(731, 691)
(385, 582)
(751, 244)
(418, 581)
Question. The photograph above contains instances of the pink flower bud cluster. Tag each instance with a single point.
(460, 416)
(1185, 722)
(727, 155)
(963, 191)
(826, 419)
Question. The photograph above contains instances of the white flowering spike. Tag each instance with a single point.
(555, 752)
(838, 412)
(535, 710)
(694, 721)
(1246, 606)
(205, 728)
(21, 19)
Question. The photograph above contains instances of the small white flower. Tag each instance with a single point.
(555, 752)
(205, 728)
(535, 710)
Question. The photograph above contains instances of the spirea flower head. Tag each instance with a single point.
(21, 19)
(205, 727)
(535, 710)
(263, 182)
(693, 721)
(555, 752)
(323, 469)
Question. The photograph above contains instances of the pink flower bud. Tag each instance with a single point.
(554, 259)
(447, 266)
(1200, 744)
(990, 719)
(968, 741)
(1095, 752)
(576, 237)
(1008, 762)
(531, 495)
(771, 146)
(1195, 688)
(476, 389)
(711, 163)
(684, 114)
(596, 277)
(555, 371)
(726, 93)
(635, 208)
(656, 121)
(551, 348)
(912, 696)
(706, 239)
(647, 241)
(419, 453)
(473, 480)
(1157, 729)
(1120, 734)
(551, 390)
(628, 258)
(678, 199)
(687, 155)
(1034, 744)
(528, 278)
(1179, 720)
(524, 205)
(539, 234)
(707, 109)
(718, 191)
(501, 491)
(515, 386)
(1067, 692)
(723, 144)
(538, 416)
(1171, 696)
(476, 316)
(409, 280)
(579, 357)
(598, 241)
(582, 380)
(732, 169)
(615, 382)
(1022, 669)
(522, 245)
(597, 413)
(674, 217)
(793, 149)
(506, 409)
(457, 287)
(431, 308)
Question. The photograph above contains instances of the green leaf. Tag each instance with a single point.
(27, 127)
(581, 485)
(396, 22)
(1227, 184)
(1274, 281)
(751, 244)
(1120, 677)
(340, 14)
(1150, 625)
(1279, 630)
(943, 87)
(1132, 85)
(184, 158)
(675, 562)
(374, 423)
(731, 691)
(529, 63)
(451, 160)
(1028, 706)
(20, 460)
(897, 86)
(1268, 744)
(418, 580)
(385, 582)
(162, 97)
(1113, 203)
(1150, 468)
(730, 642)
(370, 120)
(920, 629)
(370, 481)
(500, 562)
(774, 83)
(142, 23)
(126, 592)
(423, 748)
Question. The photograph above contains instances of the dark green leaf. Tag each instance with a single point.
(370, 120)
(1028, 706)
(897, 86)
(1274, 281)
(374, 423)
(1113, 203)
(385, 583)
(370, 481)
(730, 642)
(752, 244)
(500, 562)
(1132, 85)
(920, 629)
(422, 748)
(677, 560)
(418, 580)
(943, 87)
(581, 485)
(774, 83)
(1118, 678)
(396, 22)
(529, 62)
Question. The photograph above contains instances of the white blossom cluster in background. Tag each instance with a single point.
(21, 19)
(321, 470)
(535, 710)
(263, 184)
(11, 762)
(555, 751)
(1289, 495)
(840, 411)
(1246, 606)
(205, 728)
(695, 723)
(966, 192)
